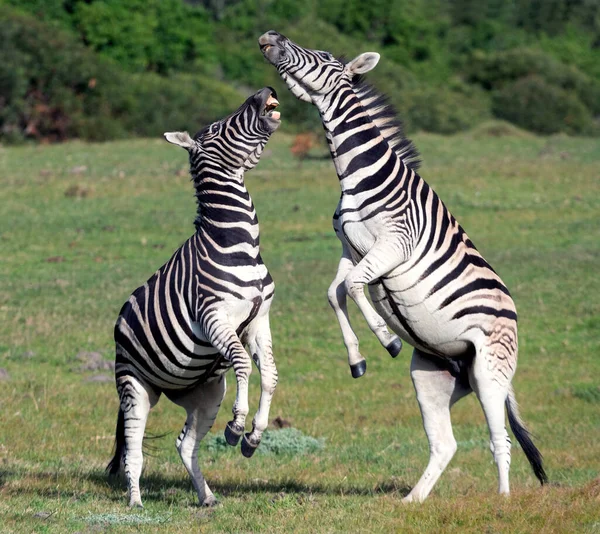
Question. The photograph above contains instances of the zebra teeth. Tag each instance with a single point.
(271, 104)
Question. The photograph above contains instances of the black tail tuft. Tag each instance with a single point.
(524, 438)
(114, 465)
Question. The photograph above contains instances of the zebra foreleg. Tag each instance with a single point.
(222, 335)
(379, 261)
(202, 406)
(136, 401)
(261, 348)
(337, 299)
(437, 390)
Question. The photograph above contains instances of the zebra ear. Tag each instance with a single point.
(363, 63)
(182, 139)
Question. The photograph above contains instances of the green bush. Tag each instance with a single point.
(116, 67)
(444, 110)
(181, 102)
(53, 88)
(47, 79)
(536, 105)
(494, 71)
(155, 35)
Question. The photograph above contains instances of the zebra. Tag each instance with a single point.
(187, 325)
(426, 279)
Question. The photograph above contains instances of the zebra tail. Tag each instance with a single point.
(114, 465)
(524, 438)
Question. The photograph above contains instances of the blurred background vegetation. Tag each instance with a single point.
(107, 69)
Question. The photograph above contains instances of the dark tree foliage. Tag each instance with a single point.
(446, 64)
(53, 88)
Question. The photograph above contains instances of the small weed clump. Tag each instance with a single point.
(587, 392)
(278, 442)
(126, 519)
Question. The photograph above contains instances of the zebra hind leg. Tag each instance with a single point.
(437, 390)
(490, 378)
(202, 406)
(136, 401)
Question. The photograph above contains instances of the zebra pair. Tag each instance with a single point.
(426, 279)
(187, 325)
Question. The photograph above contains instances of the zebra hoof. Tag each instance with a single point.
(211, 502)
(233, 433)
(248, 447)
(358, 369)
(394, 347)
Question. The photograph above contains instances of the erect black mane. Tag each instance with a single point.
(386, 118)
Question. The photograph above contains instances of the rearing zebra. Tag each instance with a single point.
(187, 325)
(426, 279)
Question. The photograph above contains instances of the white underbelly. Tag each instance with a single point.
(416, 324)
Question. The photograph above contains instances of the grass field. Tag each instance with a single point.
(81, 226)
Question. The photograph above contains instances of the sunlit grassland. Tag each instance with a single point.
(76, 241)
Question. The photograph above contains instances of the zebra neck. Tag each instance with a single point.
(225, 210)
(358, 148)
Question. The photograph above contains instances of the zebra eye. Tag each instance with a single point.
(214, 128)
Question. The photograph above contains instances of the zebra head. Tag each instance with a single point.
(236, 142)
(312, 75)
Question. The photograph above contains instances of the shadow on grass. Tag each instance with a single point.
(160, 488)
(155, 485)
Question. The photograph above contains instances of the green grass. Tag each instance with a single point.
(75, 242)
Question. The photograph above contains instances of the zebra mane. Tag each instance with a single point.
(385, 117)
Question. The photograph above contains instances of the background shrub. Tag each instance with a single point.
(87, 68)
(536, 105)
(53, 88)
(444, 110)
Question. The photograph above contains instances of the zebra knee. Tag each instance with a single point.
(444, 451)
(333, 293)
(269, 386)
(353, 289)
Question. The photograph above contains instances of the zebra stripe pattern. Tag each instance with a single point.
(188, 324)
(427, 281)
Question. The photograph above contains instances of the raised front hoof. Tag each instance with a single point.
(233, 433)
(248, 446)
(358, 369)
(394, 347)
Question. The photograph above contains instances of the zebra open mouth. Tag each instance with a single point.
(270, 106)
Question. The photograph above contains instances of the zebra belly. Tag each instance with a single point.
(417, 325)
(163, 345)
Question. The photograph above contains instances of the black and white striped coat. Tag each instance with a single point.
(188, 324)
(426, 279)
